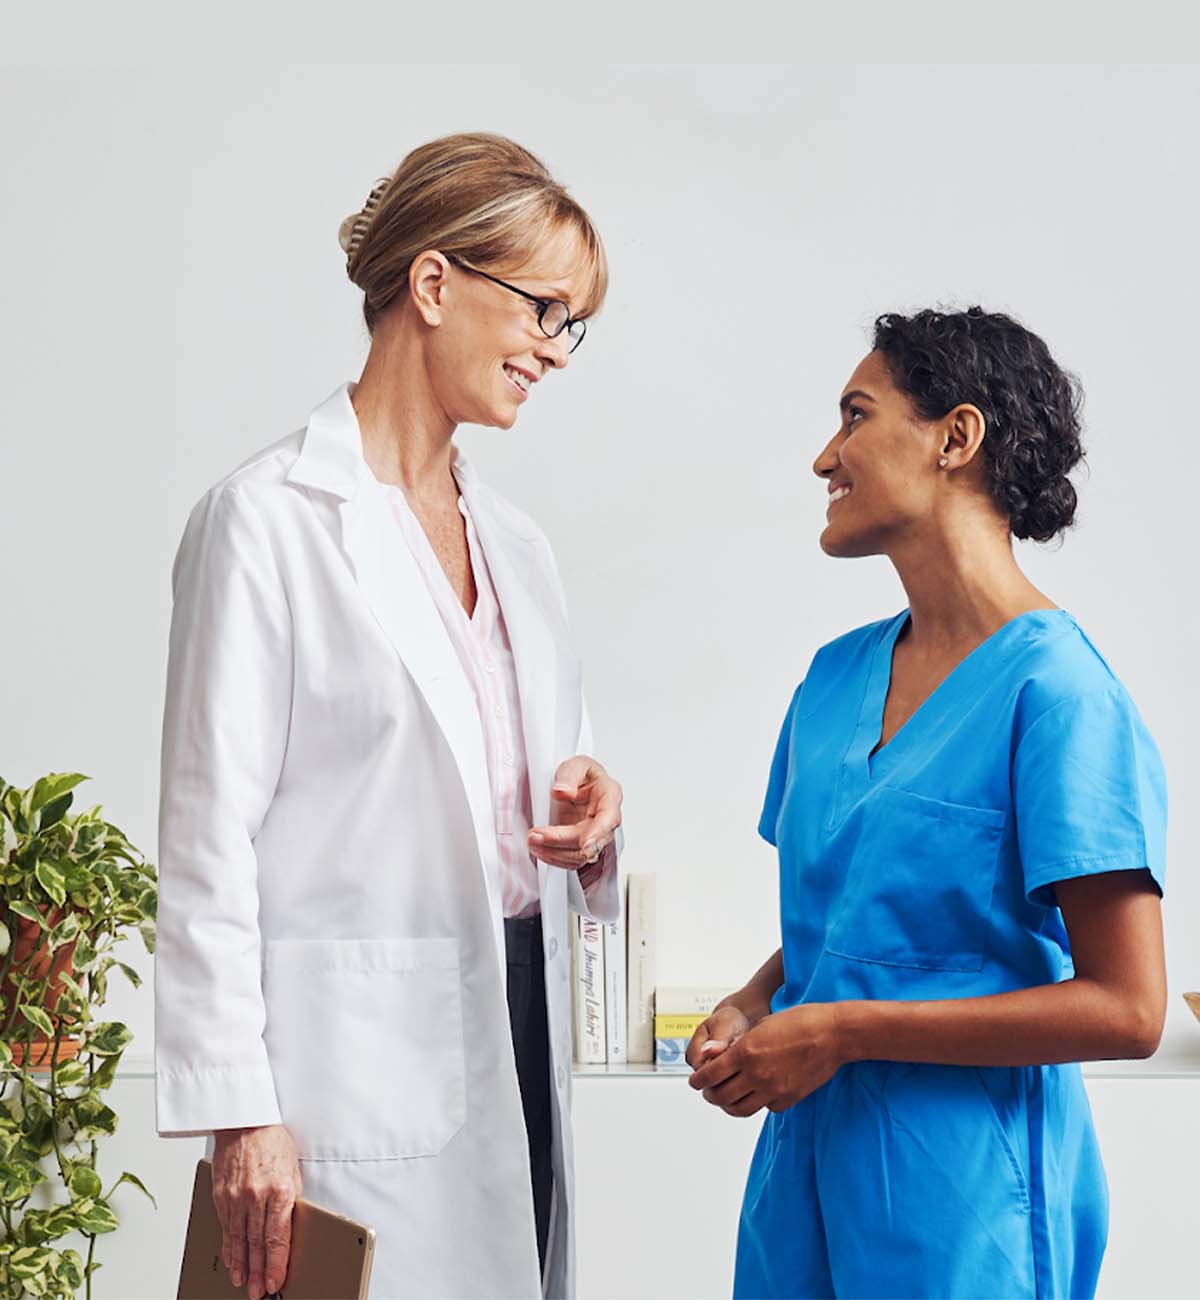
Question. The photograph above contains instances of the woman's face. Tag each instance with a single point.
(490, 352)
(881, 466)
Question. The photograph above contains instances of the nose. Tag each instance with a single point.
(554, 352)
(826, 464)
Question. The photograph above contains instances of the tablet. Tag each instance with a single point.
(330, 1256)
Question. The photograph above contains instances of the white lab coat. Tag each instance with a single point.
(330, 933)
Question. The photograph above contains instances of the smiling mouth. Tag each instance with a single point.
(839, 495)
(517, 379)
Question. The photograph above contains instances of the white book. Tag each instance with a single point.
(640, 924)
(590, 1033)
(674, 1000)
(615, 1011)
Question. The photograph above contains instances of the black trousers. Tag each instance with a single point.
(531, 1042)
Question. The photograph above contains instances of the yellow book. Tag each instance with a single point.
(677, 1026)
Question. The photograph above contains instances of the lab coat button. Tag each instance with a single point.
(553, 949)
(561, 1075)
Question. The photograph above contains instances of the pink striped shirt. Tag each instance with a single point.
(482, 645)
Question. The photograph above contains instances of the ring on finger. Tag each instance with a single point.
(592, 854)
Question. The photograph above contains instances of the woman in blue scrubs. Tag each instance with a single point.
(970, 818)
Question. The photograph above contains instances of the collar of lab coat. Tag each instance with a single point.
(331, 460)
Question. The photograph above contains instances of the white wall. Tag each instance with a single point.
(174, 298)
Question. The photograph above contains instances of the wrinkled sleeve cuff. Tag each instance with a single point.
(193, 1102)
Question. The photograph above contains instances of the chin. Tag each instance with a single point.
(845, 546)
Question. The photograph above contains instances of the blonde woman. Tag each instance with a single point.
(378, 801)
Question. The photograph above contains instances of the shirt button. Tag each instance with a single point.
(499, 711)
(508, 760)
(553, 949)
(489, 668)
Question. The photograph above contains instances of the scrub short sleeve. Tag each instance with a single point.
(1090, 794)
(779, 771)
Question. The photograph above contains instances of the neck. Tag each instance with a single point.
(962, 581)
(407, 435)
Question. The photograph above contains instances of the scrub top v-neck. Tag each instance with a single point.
(928, 872)
(928, 869)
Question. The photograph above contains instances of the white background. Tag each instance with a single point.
(174, 298)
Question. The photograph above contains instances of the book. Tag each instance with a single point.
(589, 994)
(679, 1012)
(641, 947)
(615, 1010)
(681, 1000)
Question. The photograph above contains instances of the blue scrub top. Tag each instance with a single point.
(927, 871)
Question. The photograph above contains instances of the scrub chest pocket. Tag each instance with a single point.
(919, 883)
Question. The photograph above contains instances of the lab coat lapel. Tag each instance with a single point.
(388, 577)
(511, 559)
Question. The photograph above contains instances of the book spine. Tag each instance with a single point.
(590, 988)
(615, 1009)
(640, 928)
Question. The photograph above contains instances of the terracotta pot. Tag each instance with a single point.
(31, 957)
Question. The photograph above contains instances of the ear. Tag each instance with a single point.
(428, 278)
(961, 435)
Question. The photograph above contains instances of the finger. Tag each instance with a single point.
(557, 837)
(716, 1070)
(746, 1107)
(236, 1237)
(695, 1049)
(255, 1245)
(278, 1241)
(730, 1092)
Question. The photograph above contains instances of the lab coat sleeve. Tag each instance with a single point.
(1089, 793)
(601, 899)
(224, 735)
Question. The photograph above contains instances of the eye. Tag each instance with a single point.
(853, 415)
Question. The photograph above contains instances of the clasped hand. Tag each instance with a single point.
(774, 1063)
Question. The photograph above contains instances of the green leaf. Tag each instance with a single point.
(66, 930)
(51, 880)
(105, 1073)
(38, 1018)
(70, 1270)
(70, 1074)
(127, 1177)
(99, 1218)
(15, 1181)
(84, 956)
(85, 1181)
(107, 1038)
(28, 1261)
(130, 974)
(28, 911)
(38, 1285)
(53, 786)
(94, 1118)
(5, 939)
(6, 1055)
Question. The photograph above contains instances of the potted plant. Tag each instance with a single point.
(71, 889)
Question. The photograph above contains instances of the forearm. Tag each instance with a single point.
(1077, 1020)
(754, 998)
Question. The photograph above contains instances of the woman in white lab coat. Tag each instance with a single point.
(378, 803)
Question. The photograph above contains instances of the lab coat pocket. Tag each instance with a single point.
(919, 884)
(365, 1038)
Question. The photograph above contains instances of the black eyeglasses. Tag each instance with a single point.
(553, 316)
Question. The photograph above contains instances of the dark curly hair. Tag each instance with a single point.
(1032, 406)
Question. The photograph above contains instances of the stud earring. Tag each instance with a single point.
(943, 461)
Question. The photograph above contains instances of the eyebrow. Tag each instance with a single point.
(847, 398)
